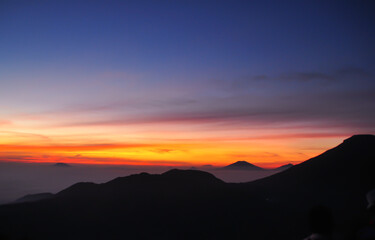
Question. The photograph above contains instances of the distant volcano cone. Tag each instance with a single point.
(242, 165)
(61, 165)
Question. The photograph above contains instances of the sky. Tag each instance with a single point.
(183, 83)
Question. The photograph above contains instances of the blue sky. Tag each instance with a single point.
(213, 37)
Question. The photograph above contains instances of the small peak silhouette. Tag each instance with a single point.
(34, 197)
(60, 164)
(242, 165)
(284, 167)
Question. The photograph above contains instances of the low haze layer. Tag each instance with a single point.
(20, 179)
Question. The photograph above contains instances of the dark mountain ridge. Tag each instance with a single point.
(242, 165)
(355, 155)
(174, 180)
(338, 178)
(34, 197)
(61, 165)
(283, 167)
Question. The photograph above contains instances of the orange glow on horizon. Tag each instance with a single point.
(184, 144)
(266, 153)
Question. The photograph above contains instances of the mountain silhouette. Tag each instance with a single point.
(339, 178)
(189, 204)
(34, 197)
(354, 157)
(61, 165)
(284, 167)
(242, 165)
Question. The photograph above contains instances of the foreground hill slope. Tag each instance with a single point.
(349, 165)
(196, 205)
(338, 178)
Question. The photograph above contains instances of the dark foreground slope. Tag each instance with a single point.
(196, 205)
(339, 178)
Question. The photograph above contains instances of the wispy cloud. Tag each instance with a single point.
(342, 74)
(90, 160)
(5, 122)
(342, 108)
(307, 76)
(254, 105)
(82, 147)
(24, 134)
(348, 74)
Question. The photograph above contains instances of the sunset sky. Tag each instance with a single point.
(183, 83)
